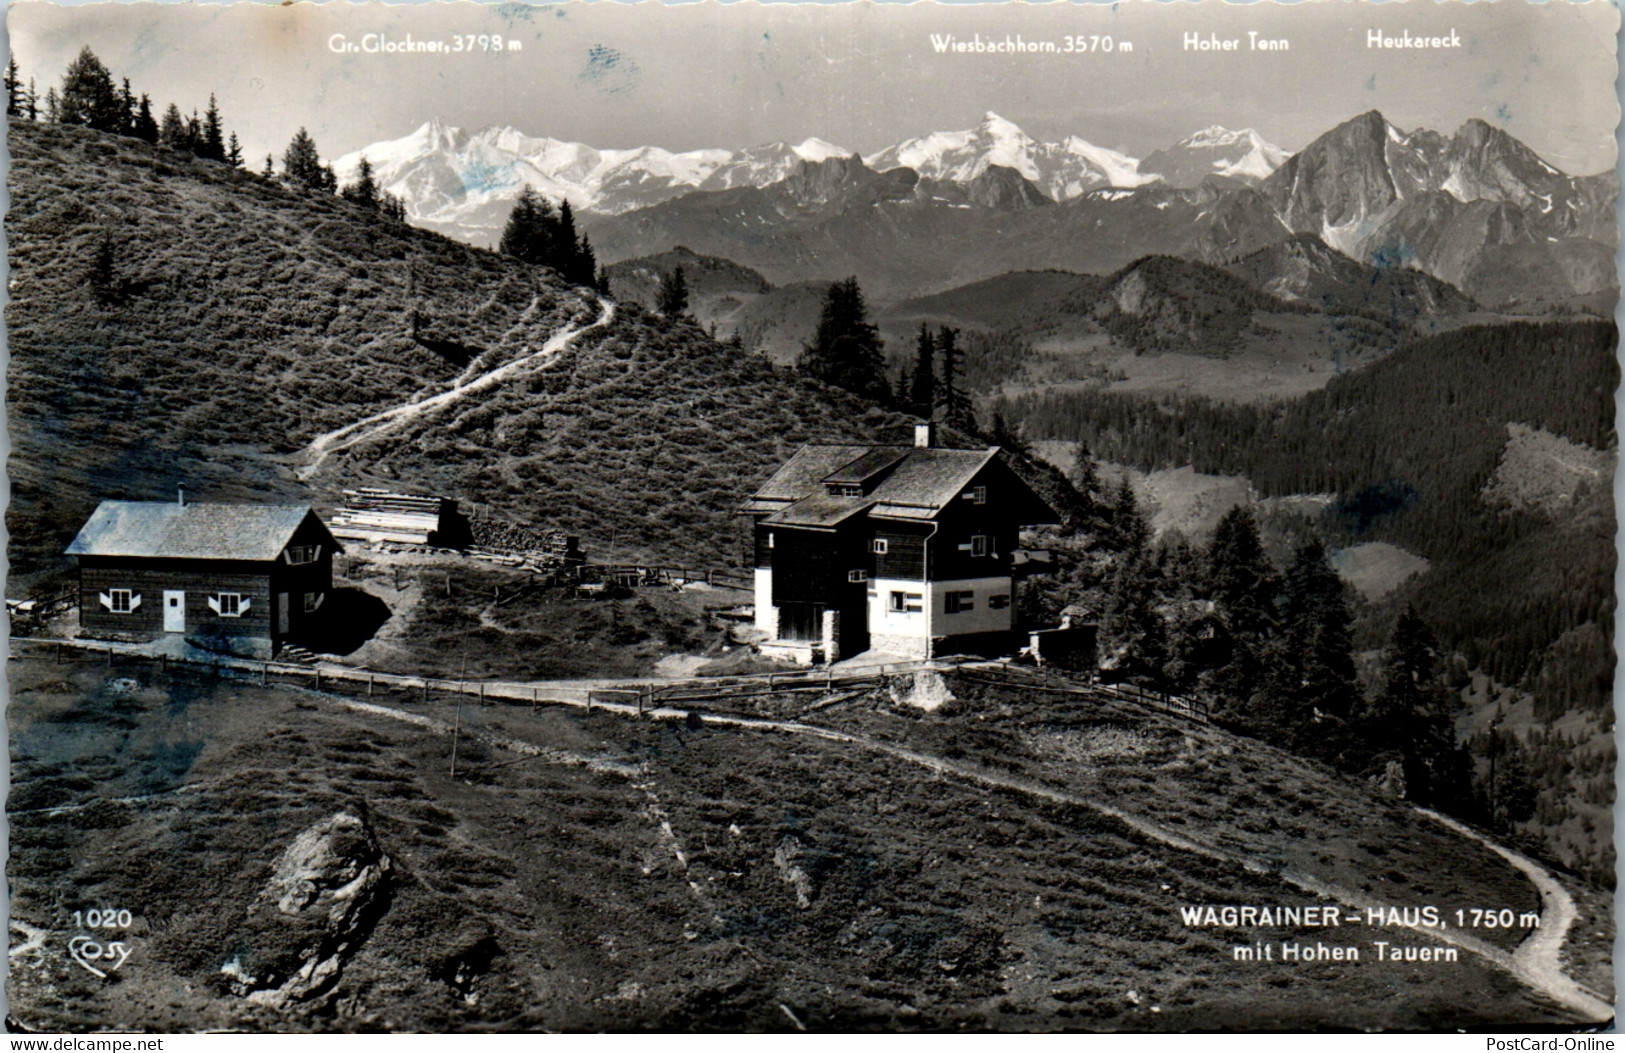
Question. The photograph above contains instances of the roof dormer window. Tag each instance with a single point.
(845, 490)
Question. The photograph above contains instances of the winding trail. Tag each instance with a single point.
(379, 423)
(1536, 962)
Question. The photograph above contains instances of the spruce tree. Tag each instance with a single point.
(88, 95)
(671, 299)
(952, 398)
(1243, 586)
(270, 167)
(14, 89)
(585, 268)
(301, 164)
(524, 233)
(172, 132)
(1410, 718)
(31, 103)
(234, 152)
(144, 127)
(846, 347)
(53, 107)
(127, 108)
(922, 389)
(364, 191)
(1085, 473)
(211, 145)
(1320, 641)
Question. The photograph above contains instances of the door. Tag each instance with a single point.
(281, 612)
(174, 611)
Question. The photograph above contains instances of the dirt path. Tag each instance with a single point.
(1538, 960)
(379, 423)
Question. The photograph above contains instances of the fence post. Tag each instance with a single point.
(318, 678)
(265, 673)
(640, 700)
(425, 689)
(109, 657)
(535, 697)
(482, 692)
(163, 663)
(369, 685)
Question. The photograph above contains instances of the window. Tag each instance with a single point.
(857, 575)
(905, 602)
(981, 545)
(121, 601)
(770, 539)
(959, 602)
(229, 604)
(845, 490)
(998, 603)
(975, 495)
(313, 600)
(879, 546)
(303, 554)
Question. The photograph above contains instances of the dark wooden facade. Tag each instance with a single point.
(277, 599)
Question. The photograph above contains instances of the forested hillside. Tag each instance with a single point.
(1408, 446)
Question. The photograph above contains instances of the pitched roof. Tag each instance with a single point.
(931, 478)
(167, 530)
(819, 510)
(806, 470)
(914, 482)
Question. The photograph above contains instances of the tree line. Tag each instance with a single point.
(90, 98)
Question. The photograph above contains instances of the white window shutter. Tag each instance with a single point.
(214, 604)
(107, 601)
(242, 605)
(135, 602)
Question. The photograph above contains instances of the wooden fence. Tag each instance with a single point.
(715, 695)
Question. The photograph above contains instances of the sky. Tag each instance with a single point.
(863, 76)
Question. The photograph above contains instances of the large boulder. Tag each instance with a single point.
(323, 897)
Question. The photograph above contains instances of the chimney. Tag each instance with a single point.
(925, 435)
(180, 498)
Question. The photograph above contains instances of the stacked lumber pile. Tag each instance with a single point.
(546, 548)
(378, 516)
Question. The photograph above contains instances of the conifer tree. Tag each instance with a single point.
(194, 134)
(14, 89)
(671, 299)
(144, 127)
(53, 107)
(211, 145)
(1410, 718)
(1243, 585)
(172, 132)
(364, 191)
(127, 108)
(922, 390)
(1085, 473)
(954, 400)
(846, 347)
(270, 167)
(1319, 634)
(301, 164)
(234, 152)
(330, 179)
(32, 101)
(88, 95)
(522, 237)
(585, 268)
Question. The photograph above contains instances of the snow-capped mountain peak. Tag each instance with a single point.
(1242, 155)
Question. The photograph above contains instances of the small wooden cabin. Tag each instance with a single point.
(244, 578)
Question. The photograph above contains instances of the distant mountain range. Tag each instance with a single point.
(464, 183)
(1477, 210)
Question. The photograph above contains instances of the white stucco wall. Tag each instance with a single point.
(767, 615)
(933, 619)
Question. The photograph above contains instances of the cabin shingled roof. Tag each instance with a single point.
(169, 530)
(819, 510)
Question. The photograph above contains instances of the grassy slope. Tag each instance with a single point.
(931, 902)
(245, 318)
